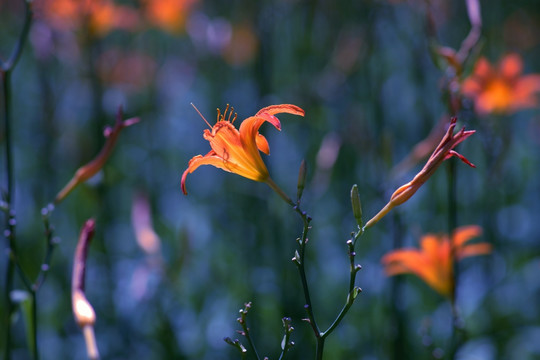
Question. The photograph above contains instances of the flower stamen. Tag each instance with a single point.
(201, 115)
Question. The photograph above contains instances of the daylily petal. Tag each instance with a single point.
(465, 233)
(412, 261)
(262, 144)
(212, 159)
(283, 108)
(249, 132)
(511, 66)
(483, 68)
(475, 249)
(471, 87)
(460, 157)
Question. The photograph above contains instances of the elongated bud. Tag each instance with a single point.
(301, 179)
(356, 205)
(87, 171)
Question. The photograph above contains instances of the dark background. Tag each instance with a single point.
(363, 73)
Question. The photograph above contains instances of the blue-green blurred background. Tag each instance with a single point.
(363, 73)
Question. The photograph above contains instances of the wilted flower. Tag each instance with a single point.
(433, 262)
(237, 151)
(503, 89)
(443, 152)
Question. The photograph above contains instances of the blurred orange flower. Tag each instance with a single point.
(443, 152)
(242, 46)
(433, 261)
(238, 151)
(101, 16)
(131, 71)
(170, 15)
(503, 89)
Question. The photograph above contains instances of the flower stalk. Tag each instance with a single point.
(83, 311)
(6, 69)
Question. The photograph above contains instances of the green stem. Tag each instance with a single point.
(34, 323)
(457, 329)
(353, 292)
(320, 348)
(250, 341)
(300, 263)
(6, 69)
(281, 193)
(50, 243)
(302, 271)
(9, 197)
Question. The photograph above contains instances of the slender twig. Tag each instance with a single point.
(458, 330)
(353, 290)
(285, 343)
(8, 65)
(6, 68)
(245, 330)
(51, 242)
(299, 260)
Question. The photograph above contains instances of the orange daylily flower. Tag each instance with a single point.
(433, 262)
(170, 15)
(237, 151)
(443, 152)
(502, 89)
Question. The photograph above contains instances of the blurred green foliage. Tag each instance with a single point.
(363, 73)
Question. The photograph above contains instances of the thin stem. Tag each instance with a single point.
(286, 344)
(91, 344)
(9, 198)
(301, 257)
(5, 75)
(6, 91)
(301, 269)
(17, 50)
(33, 325)
(281, 193)
(457, 328)
(353, 291)
(249, 340)
(320, 348)
(245, 332)
(299, 260)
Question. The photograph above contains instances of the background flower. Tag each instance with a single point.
(502, 89)
(433, 262)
